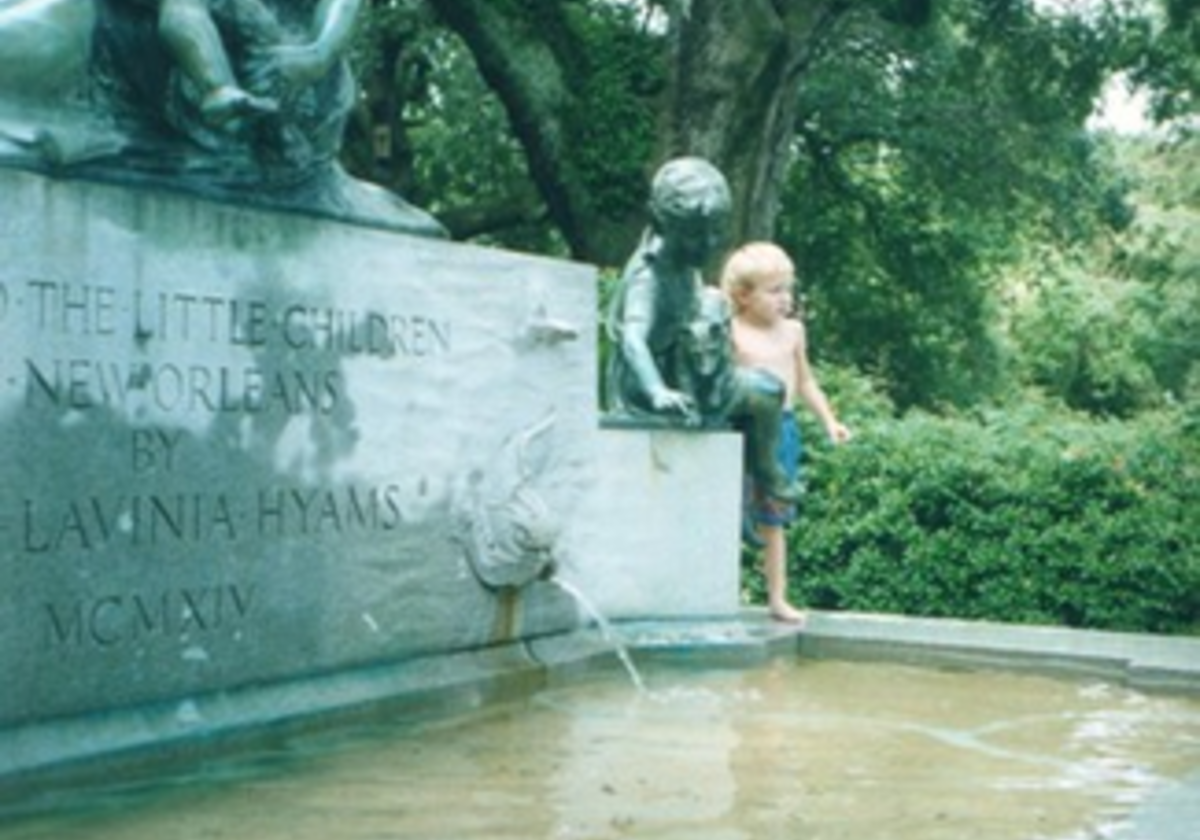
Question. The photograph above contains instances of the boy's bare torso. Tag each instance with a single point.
(775, 347)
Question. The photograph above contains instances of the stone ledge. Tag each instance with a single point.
(131, 740)
(1144, 661)
(70, 750)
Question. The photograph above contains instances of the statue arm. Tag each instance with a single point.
(333, 27)
(297, 65)
(635, 338)
(635, 330)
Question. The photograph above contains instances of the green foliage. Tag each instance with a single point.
(1081, 333)
(1112, 328)
(612, 121)
(431, 129)
(608, 281)
(580, 81)
(1164, 55)
(926, 160)
(1030, 517)
(1160, 255)
(465, 151)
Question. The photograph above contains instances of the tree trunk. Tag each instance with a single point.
(526, 56)
(736, 71)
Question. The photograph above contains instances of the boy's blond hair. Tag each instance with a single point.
(752, 263)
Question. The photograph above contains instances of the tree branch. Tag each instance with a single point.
(525, 70)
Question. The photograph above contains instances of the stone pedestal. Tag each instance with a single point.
(659, 534)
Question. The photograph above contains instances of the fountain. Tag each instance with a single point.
(274, 451)
(281, 462)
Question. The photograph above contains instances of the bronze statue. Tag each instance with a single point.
(45, 61)
(244, 100)
(706, 367)
(44, 46)
(213, 91)
(659, 291)
(672, 362)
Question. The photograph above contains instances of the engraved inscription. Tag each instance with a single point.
(300, 332)
(154, 450)
(189, 318)
(91, 523)
(142, 355)
(115, 619)
(86, 524)
(73, 309)
(81, 384)
(313, 512)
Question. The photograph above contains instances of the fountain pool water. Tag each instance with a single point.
(794, 748)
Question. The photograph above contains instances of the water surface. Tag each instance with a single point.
(803, 750)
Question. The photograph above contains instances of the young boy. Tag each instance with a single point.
(758, 280)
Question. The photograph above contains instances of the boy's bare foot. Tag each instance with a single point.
(788, 614)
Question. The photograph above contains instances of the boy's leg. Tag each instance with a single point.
(775, 570)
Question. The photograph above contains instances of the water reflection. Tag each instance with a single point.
(648, 765)
(793, 750)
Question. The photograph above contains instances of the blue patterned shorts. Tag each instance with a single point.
(764, 509)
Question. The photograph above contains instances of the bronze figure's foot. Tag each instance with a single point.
(784, 492)
(227, 103)
(750, 536)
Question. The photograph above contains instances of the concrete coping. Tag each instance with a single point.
(1144, 661)
(135, 738)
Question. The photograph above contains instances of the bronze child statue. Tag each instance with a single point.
(671, 363)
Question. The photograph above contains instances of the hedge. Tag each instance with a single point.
(1036, 516)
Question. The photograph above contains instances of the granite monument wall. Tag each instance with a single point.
(242, 447)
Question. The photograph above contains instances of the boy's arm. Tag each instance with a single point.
(810, 391)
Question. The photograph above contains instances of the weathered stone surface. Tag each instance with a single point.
(242, 447)
(658, 533)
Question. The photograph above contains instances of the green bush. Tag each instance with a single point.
(1037, 516)
(1083, 339)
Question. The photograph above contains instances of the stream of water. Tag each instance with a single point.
(606, 630)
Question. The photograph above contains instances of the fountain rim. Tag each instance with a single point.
(141, 739)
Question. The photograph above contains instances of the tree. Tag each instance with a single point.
(601, 93)
(926, 162)
(902, 149)
(1163, 54)
(573, 79)
(1159, 255)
